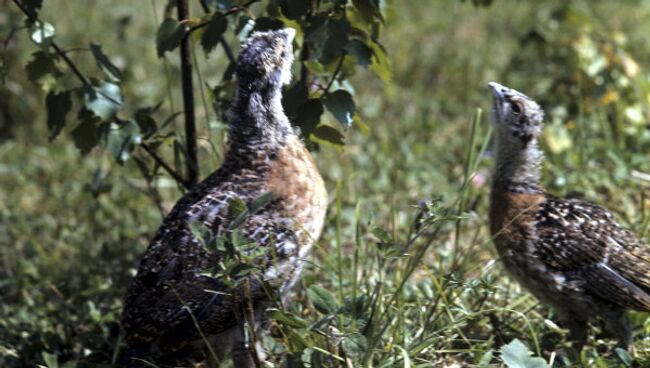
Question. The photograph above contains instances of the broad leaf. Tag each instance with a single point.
(111, 71)
(85, 135)
(213, 32)
(32, 6)
(323, 301)
(202, 233)
(294, 9)
(380, 63)
(286, 318)
(261, 201)
(341, 105)
(42, 33)
(237, 212)
(328, 37)
(517, 355)
(169, 36)
(120, 139)
(361, 52)
(355, 344)
(42, 69)
(327, 134)
(104, 101)
(308, 115)
(146, 122)
(58, 105)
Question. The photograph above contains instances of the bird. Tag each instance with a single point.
(174, 303)
(569, 253)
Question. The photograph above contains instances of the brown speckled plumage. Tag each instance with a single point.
(571, 254)
(264, 156)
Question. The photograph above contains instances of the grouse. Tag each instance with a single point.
(174, 301)
(571, 254)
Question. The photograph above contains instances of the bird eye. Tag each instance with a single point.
(516, 107)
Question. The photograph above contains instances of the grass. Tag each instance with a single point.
(405, 273)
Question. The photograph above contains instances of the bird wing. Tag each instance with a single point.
(172, 293)
(583, 240)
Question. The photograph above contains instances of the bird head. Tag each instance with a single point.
(265, 60)
(519, 118)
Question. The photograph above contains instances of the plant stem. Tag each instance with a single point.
(164, 165)
(192, 161)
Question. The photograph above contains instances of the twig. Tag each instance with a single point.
(188, 100)
(336, 72)
(165, 166)
(85, 82)
(56, 48)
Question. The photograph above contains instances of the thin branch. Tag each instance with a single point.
(188, 100)
(85, 82)
(56, 48)
(165, 166)
(336, 72)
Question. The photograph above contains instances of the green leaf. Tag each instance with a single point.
(120, 139)
(355, 344)
(85, 136)
(517, 355)
(202, 233)
(624, 356)
(58, 105)
(341, 105)
(361, 52)
(380, 63)
(314, 67)
(294, 9)
(323, 301)
(261, 201)
(103, 62)
(146, 122)
(486, 359)
(327, 134)
(369, 10)
(242, 270)
(263, 24)
(237, 212)
(33, 6)
(42, 69)
(51, 361)
(308, 115)
(42, 33)
(381, 234)
(169, 36)
(104, 101)
(213, 32)
(286, 318)
(328, 37)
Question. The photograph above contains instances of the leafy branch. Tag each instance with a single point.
(33, 19)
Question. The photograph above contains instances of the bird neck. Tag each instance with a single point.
(258, 122)
(517, 165)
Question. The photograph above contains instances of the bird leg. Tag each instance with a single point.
(617, 323)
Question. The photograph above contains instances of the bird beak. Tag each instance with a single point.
(497, 90)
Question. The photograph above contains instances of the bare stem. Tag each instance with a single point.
(192, 161)
(166, 167)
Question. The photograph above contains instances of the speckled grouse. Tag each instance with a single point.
(173, 296)
(571, 254)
